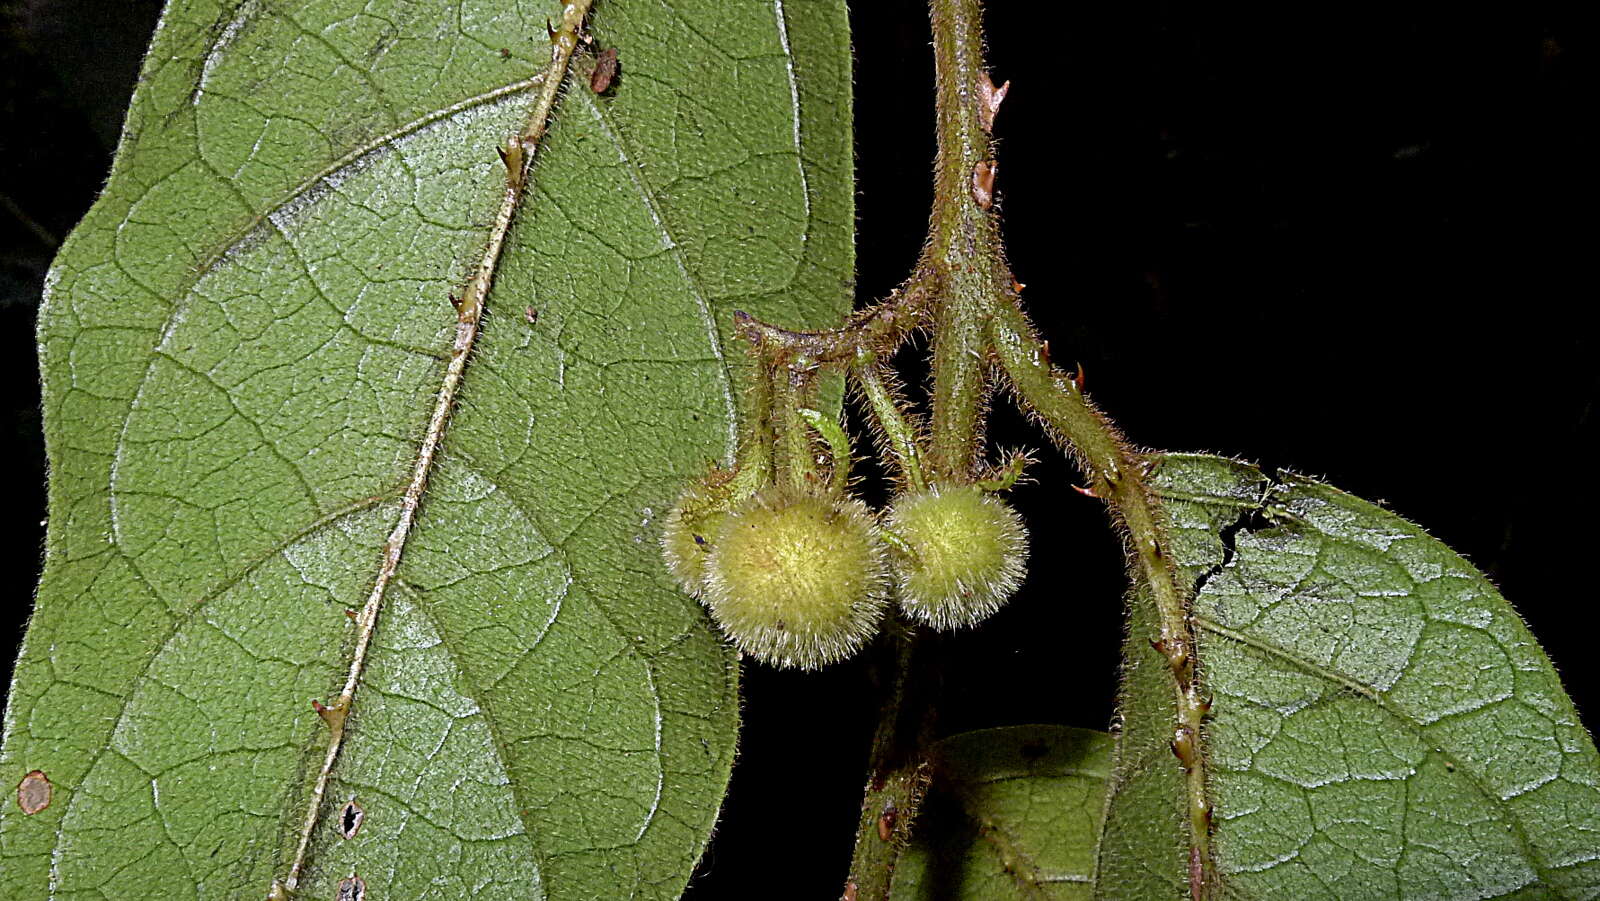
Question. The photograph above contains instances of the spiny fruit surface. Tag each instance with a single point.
(797, 581)
(692, 525)
(965, 554)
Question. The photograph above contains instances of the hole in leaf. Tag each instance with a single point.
(351, 888)
(351, 816)
(33, 792)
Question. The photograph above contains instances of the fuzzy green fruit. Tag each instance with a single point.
(963, 554)
(692, 525)
(797, 581)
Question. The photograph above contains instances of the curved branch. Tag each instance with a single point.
(879, 329)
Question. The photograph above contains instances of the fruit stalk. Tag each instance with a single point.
(898, 771)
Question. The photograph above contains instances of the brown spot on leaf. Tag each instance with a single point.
(33, 792)
(351, 888)
(605, 71)
(351, 816)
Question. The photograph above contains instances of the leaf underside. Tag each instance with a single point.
(1383, 724)
(241, 346)
(1014, 813)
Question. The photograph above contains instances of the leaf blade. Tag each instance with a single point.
(199, 308)
(1339, 769)
(1015, 812)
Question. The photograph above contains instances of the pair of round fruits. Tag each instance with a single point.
(803, 580)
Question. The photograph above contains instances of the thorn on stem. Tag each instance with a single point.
(1086, 491)
(886, 820)
(605, 71)
(334, 715)
(989, 98)
(513, 155)
(1077, 378)
(1183, 746)
(983, 183)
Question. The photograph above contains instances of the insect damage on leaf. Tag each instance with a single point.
(34, 792)
(351, 816)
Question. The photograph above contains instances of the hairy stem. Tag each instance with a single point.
(897, 433)
(838, 443)
(963, 241)
(754, 467)
(898, 770)
(963, 261)
(791, 441)
(879, 329)
(1117, 474)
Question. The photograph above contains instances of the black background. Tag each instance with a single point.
(1353, 241)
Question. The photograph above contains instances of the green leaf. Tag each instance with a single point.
(1383, 725)
(243, 345)
(1014, 812)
